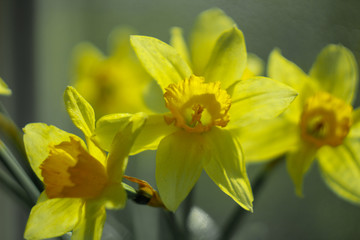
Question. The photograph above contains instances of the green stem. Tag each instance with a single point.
(232, 224)
(19, 173)
(175, 230)
(7, 181)
(9, 129)
(8, 126)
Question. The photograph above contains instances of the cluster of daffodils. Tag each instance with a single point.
(320, 124)
(202, 106)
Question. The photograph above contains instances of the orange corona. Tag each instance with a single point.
(325, 120)
(71, 172)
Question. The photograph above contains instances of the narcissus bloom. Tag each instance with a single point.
(320, 124)
(114, 83)
(80, 180)
(205, 104)
(4, 89)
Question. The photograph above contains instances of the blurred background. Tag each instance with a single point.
(36, 43)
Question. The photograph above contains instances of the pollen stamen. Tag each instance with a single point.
(197, 106)
(196, 116)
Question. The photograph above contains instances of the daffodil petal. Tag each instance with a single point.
(161, 60)
(43, 197)
(258, 98)
(225, 165)
(155, 129)
(178, 42)
(114, 196)
(336, 70)
(53, 217)
(209, 25)
(92, 224)
(265, 140)
(228, 59)
(107, 127)
(178, 166)
(254, 67)
(4, 89)
(340, 168)
(355, 128)
(298, 163)
(85, 57)
(80, 111)
(119, 42)
(285, 71)
(121, 146)
(37, 139)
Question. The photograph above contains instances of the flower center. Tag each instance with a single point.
(325, 120)
(71, 172)
(197, 106)
(106, 76)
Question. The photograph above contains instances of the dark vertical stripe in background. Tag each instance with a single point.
(19, 57)
(22, 45)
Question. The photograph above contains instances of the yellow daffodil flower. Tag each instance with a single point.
(80, 180)
(254, 65)
(320, 124)
(4, 89)
(197, 131)
(111, 84)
